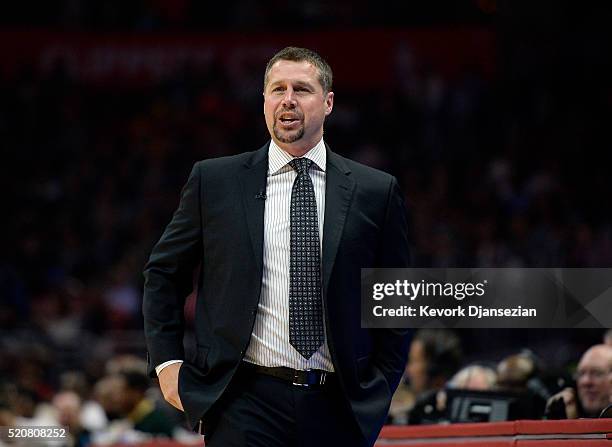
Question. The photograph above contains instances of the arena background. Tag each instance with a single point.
(494, 115)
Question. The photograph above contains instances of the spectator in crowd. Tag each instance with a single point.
(522, 373)
(133, 416)
(435, 355)
(7, 416)
(474, 377)
(67, 405)
(24, 407)
(92, 416)
(139, 409)
(593, 391)
(515, 371)
(107, 391)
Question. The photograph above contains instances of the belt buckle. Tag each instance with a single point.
(295, 377)
(321, 379)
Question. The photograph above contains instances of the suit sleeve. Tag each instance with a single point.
(391, 345)
(169, 277)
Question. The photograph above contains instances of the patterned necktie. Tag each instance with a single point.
(305, 306)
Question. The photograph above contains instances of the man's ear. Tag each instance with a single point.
(329, 103)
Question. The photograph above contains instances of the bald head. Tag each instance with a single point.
(594, 379)
(608, 337)
(474, 377)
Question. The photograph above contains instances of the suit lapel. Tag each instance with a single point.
(338, 193)
(253, 183)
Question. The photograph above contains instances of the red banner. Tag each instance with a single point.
(360, 59)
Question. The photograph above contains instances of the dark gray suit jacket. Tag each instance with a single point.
(220, 225)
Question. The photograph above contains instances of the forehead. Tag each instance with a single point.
(600, 358)
(290, 71)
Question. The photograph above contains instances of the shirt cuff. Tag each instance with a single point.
(158, 368)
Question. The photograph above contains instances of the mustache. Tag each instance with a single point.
(292, 112)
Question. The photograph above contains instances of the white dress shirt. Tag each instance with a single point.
(269, 344)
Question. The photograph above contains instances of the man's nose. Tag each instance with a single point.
(289, 99)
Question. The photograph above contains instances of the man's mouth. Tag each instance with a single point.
(288, 120)
(288, 123)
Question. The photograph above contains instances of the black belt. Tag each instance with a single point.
(306, 378)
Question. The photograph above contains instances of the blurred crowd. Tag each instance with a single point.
(115, 406)
(93, 174)
(113, 401)
(439, 387)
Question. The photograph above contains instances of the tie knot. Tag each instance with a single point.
(301, 165)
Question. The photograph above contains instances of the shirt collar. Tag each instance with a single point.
(279, 159)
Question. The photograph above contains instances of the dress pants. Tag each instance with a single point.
(259, 410)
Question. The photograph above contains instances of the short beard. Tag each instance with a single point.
(288, 139)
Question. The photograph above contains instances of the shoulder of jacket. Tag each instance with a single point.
(363, 173)
(224, 162)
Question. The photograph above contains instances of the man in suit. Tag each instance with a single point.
(280, 235)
